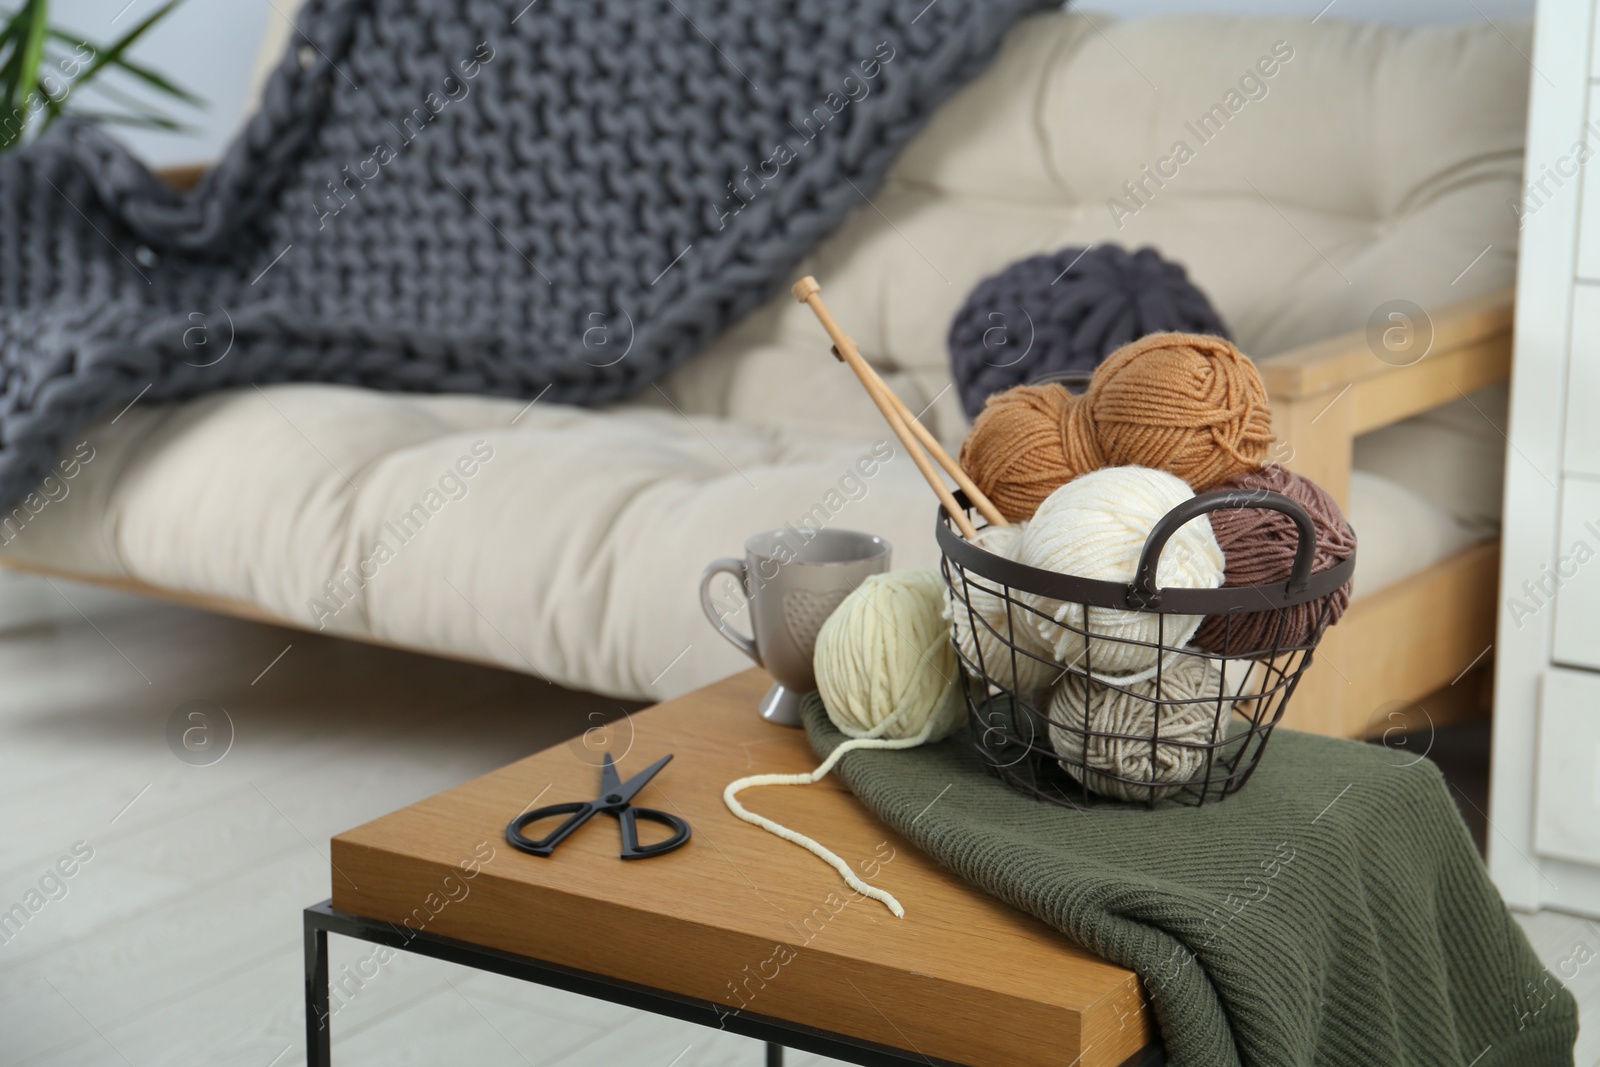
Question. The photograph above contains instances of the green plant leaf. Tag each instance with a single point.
(148, 121)
(23, 43)
(143, 73)
(102, 88)
(25, 36)
(33, 44)
(16, 20)
(22, 51)
(112, 53)
(11, 34)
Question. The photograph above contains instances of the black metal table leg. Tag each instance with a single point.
(319, 1050)
(774, 1054)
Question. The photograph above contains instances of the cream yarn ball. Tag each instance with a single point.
(1079, 703)
(889, 679)
(985, 645)
(1095, 526)
(884, 663)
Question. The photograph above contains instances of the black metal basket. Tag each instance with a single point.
(1081, 739)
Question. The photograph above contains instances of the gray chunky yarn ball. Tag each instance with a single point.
(1067, 311)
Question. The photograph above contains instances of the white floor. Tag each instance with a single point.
(178, 940)
(1567, 945)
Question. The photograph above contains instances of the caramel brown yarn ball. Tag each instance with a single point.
(1180, 402)
(1258, 547)
(1188, 404)
(1026, 443)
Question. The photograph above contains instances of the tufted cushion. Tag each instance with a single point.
(548, 539)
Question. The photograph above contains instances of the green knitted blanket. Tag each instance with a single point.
(1333, 912)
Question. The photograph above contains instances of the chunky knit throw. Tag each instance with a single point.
(1333, 912)
(558, 199)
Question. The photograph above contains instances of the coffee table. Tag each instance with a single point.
(737, 929)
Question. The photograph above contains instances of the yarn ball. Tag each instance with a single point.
(888, 678)
(1026, 444)
(1067, 311)
(1096, 527)
(884, 663)
(978, 614)
(1184, 403)
(1259, 547)
(1083, 712)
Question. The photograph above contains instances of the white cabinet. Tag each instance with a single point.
(1549, 172)
(1567, 805)
(1544, 817)
(1556, 171)
(1571, 579)
(1581, 454)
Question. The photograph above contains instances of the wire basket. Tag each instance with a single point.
(1189, 730)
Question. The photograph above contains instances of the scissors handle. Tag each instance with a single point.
(578, 812)
(632, 850)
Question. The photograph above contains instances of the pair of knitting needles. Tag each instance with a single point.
(906, 426)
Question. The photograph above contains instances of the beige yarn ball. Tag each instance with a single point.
(982, 646)
(884, 663)
(1078, 704)
(1095, 526)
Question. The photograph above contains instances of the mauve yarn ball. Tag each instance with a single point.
(1258, 548)
(1066, 312)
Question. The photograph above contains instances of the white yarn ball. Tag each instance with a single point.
(1078, 704)
(985, 645)
(884, 663)
(1095, 526)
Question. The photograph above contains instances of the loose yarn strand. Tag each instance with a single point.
(730, 797)
(887, 675)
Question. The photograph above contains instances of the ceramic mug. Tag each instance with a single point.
(792, 583)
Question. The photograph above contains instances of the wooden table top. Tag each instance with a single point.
(738, 916)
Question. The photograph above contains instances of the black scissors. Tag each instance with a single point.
(614, 798)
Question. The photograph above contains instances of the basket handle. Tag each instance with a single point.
(1144, 595)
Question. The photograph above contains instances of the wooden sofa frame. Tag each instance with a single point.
(1416, 651)
(1411, 654)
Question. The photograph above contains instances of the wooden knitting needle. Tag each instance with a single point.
(870, 377)
(807, 291)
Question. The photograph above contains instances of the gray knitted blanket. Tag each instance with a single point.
(557, 198)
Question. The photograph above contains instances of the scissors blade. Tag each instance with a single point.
(609, 782)
(637, 782)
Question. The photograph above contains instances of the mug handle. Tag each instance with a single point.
(735, 567)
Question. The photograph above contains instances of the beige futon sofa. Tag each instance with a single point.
(1333, 168)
